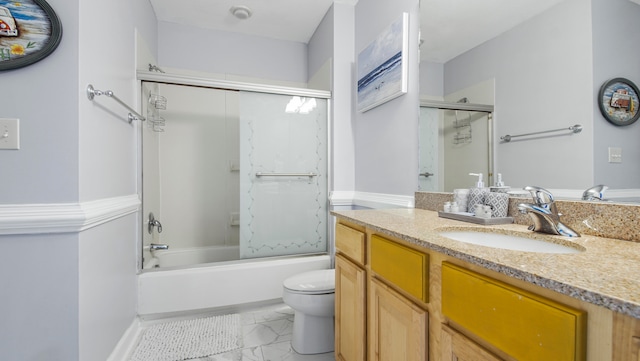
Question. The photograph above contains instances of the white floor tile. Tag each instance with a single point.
(267, 332)
(283, 352)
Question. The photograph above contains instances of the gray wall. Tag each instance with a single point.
(543, 80)
(386, 137)
(71, 295)
(616, 30)
(212, 51)
(343, 78)
(431, 80)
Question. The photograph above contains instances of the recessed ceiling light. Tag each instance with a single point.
(241, 12)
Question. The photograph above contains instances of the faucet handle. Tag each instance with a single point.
(595, 193)
(541, 196)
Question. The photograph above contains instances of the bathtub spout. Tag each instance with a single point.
(156, 246)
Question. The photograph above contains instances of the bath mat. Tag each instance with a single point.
(189, 339)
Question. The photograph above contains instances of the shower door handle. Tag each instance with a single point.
(153, 222)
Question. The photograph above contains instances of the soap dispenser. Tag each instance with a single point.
(499, 186)
(477, 194)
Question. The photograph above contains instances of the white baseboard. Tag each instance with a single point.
(125, 347)
(64, 217)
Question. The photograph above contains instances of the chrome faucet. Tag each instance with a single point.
(595, 193)
(544, 214)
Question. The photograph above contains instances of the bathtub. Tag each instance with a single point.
(206, 286)
(181, 257)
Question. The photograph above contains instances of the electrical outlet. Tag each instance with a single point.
(9, 133)
(615, 155)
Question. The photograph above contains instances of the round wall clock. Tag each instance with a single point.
(29, 31)
(618, 101)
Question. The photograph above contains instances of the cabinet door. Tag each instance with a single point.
(456, 347)
(626, 338)
(350, 344)
(397, 327)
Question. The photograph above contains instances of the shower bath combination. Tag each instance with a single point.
(240, 188)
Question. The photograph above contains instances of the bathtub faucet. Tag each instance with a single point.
(156, 246)
(153, 222)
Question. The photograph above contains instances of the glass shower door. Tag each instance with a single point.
(283, 175)
(429, 151)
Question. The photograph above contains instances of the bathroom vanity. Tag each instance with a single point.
(405, 292)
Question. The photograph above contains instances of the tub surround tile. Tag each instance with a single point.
(593, 275)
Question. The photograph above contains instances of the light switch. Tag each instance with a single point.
(615, 155)
(9, 133)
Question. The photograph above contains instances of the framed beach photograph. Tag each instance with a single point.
(382, 66)
(29, 31)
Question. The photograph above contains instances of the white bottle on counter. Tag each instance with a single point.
(499, 187)
(477, 194)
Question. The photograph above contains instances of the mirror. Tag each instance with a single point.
(455, 139)
(547, 61)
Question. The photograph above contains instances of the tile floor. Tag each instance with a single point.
(267, 334)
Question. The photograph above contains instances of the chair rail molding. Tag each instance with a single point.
(371, 200)
(64, 217)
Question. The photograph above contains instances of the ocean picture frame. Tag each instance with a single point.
(382, 66)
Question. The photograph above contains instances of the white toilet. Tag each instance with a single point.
(311, 295)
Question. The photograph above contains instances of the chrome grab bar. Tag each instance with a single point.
(91, 93)
(574, 128)
(260, 174)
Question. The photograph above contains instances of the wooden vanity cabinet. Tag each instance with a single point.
(398, 327)
(626, 338)
(351, 295)
(399, 302)
(456, 347)
(379, 284)
(519, 323)
(398, 293)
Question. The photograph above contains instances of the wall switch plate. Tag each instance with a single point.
(615, 155)
(9, 133)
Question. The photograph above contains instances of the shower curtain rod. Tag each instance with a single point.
(91, 93)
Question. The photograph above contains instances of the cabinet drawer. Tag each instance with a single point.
(522, 324)
(404, 267)
(350, 242)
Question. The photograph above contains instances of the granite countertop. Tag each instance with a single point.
(606, 273)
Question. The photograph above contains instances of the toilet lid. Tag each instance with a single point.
(321, 281)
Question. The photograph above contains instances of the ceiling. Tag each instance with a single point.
(292, 20)
(449, 27)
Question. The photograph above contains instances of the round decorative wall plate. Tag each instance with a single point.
(29, 31)
(618, 101)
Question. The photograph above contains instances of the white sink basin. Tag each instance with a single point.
(511, 242)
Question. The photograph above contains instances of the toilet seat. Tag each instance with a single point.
(312, 282)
